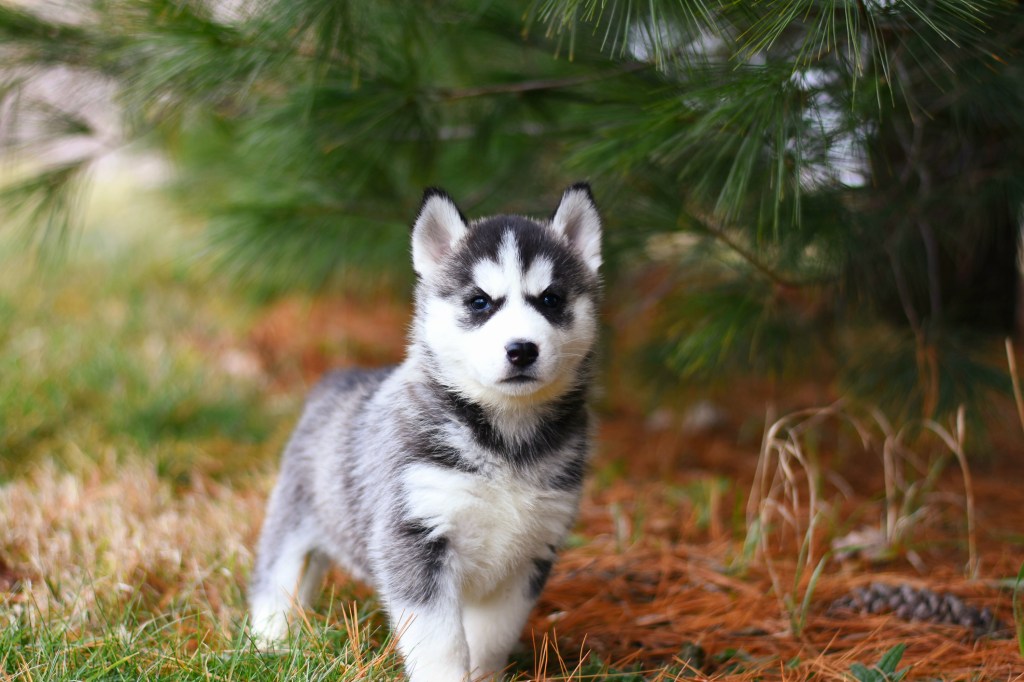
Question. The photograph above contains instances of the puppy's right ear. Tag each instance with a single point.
(438, 226)
(577, 220)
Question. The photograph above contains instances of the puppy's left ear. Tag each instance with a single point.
(577, 220)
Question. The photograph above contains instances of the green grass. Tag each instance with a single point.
(885, 670)
(121, 348)
(177, 647)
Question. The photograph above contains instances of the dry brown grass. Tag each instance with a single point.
(75, 543)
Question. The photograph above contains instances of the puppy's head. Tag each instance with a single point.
(506, 305)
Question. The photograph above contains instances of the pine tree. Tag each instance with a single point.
(838, 179)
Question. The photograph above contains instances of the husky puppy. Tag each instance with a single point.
(449, 482)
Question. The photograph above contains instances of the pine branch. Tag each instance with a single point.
(543, 84)
(715, 229)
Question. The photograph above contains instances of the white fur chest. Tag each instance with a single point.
(493, 526)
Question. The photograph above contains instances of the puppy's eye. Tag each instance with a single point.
(479, 303)
(551, 300)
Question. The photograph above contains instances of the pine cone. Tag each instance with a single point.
(923, 604)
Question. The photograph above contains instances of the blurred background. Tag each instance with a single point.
(800, 191)
(206, 203)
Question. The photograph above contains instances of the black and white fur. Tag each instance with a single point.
(450, 481)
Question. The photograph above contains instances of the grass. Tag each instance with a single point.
(112, 353)
(124, 410)
(172, 647)
(140, 423)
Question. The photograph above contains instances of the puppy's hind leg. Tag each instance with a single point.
(285, 542)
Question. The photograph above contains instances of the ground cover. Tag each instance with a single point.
(143, 405)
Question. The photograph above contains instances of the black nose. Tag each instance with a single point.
(521, 353)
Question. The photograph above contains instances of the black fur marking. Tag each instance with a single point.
(570, 478)
(577, 187)
(427, 441)
(570, 275)
(560, 315)
(443, 456)
(541, 571)
(420, 559)
(566, 419)
(583, 186)
(471, 319)
(431, 192)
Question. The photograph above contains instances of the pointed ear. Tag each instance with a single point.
(438, 226)
(577, 220)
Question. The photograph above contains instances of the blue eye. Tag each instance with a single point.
(480, 303)
(551, 300)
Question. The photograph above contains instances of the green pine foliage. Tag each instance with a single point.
(819, 180)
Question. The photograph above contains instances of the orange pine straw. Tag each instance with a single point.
(640, 604)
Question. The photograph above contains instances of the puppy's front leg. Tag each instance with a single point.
(431, 641)
(494, 622)
(422, 595)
